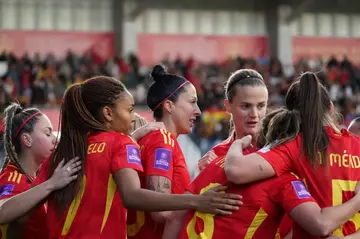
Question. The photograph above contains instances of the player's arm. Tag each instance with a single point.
(159, 158)
(355, 235)
(19, 204)
(304, 210)
(174, 224)
(162, 185)
(146, 129)
(321, 222)
(289, 235)
(206, 159)
(241, 169)
(136, 198)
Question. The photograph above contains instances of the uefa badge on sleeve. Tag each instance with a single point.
(162, 159)
(300, 189)
(133, 154)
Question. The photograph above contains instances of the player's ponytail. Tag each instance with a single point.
(278, 127)
(312, 101)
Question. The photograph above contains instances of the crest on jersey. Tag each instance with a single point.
(300, 189)
(162, 159)
(6, 190)
(133, 154)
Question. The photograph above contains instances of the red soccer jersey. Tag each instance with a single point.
(161, 155)
(330, 186)
(222, 148)
(259, 217)
(97, 210)
(12, 182)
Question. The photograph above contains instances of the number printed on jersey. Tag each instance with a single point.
(300, 189)
(6, 190)
(133, 154)
(162, 159)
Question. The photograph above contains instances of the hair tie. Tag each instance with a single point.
(24, 123)
(157, 106)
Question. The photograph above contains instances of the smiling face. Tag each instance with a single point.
(185, 110)
(248, 107)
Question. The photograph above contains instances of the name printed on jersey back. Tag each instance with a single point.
(95, 148)
(344, 160)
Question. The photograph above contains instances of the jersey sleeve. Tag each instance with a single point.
(125, 153)
(289, 191)
(158, 156)
(13, 185)
(281, 157)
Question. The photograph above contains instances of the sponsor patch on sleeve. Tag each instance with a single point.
(162, 159)
(300, 189)
(6, 190)
(133, 154)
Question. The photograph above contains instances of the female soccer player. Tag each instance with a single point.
(28, 141)
(96, 118)
(173, 101)
(246, 99)
(264, 204)
(324, 156)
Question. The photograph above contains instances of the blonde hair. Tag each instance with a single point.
(138, 122)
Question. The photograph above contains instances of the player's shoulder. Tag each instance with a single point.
(11, 179)
(159, 138)
(111, 137)
(12, 175)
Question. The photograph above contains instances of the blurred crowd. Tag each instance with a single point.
(41, 81)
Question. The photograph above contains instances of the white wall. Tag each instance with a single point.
(96, 15)
(243, 23)
(66, 15)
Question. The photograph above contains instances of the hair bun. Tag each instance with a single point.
(17, 108)
(157, 71)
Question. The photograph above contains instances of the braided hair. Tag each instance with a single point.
(81, 114)
(16, 122)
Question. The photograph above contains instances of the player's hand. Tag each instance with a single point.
(216, 201)
(206, 159)
(357, 189)
(64, 174)
(246, 141)
(146, 129)
(332, 237)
